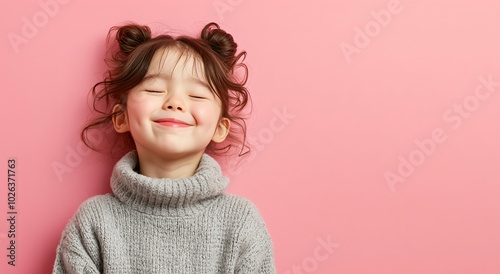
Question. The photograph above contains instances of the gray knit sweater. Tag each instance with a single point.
(151, 225)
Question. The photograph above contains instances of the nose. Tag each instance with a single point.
(172, 107)
(174, 102)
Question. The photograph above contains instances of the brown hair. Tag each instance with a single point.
(131, 53)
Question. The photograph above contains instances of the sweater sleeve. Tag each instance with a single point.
(78, 250)
(256, 252)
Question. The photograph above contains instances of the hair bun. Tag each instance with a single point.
(132, 35)
(221, 42)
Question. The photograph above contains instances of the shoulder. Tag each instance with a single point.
(90, 214)
(243, 213)
(238, 204)
(93, 210)
(98, 201)
(95, 203)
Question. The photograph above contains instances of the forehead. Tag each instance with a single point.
(177, 62)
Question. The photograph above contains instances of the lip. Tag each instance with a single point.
(172, 122)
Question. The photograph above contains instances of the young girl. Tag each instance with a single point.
(173, 98)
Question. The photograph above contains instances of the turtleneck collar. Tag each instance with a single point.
(165, 196)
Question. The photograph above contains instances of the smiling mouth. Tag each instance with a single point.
(172, 124)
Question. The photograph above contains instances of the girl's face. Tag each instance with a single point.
(173, 88)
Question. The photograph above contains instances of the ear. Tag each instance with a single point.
(120, 120)
(222, 130)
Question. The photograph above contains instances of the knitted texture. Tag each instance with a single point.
(163, 225)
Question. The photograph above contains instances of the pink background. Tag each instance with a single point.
(345, 94)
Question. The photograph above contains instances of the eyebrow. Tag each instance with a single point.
(169, 77)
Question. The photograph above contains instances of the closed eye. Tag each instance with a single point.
(197, 97)
(153, 91)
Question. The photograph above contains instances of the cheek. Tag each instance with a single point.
(207, 115)
(140, 108)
